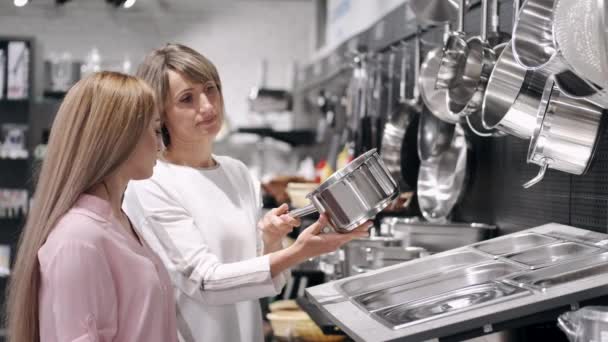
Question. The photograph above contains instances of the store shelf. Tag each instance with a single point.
(293, 137)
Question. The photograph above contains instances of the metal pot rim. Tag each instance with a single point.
(487, 61)
(425, 72)
(345, 171)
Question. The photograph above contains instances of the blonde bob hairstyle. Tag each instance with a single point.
(184, 60)
(96, 129)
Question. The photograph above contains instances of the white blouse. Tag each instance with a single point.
(203, 225)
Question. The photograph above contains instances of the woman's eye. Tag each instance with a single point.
(186, 99)
(211, 88)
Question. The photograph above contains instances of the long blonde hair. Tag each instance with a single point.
(180, 58)
(96, 129)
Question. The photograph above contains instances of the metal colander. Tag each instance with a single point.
(579, 35)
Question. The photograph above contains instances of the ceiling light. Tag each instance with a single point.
(129, 3)
(20, 3)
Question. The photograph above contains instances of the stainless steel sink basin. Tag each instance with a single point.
(434, 284)
(545, 278)
(447, 303)
(514, 243)
(550, 254)
(410, 271)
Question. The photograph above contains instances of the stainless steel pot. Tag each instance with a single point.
(586, 324)
(441, 179)
(512, 96)
(533, 43)
(566, 135)
(466, 96)
(434, 99)
(354, 194)
(454, 56)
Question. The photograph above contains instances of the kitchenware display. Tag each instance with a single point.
(544, 23)
(466, 95)
(454, 55)
(512, 96)
(436, 11)
(354, 194)
(374, 252)
(398, 139)
(513, 243)
(465, 291)
(435, 237)
(579, 33)
(441, 179)
(434, 99)
(546, 278)
(434, 136)
(566, 135)
(589, 323)
(546, 255)
(533, 44)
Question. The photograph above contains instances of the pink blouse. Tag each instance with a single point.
(99, 284)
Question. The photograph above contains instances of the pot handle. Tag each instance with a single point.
(301, 212)
(541, 174)
(564, 322)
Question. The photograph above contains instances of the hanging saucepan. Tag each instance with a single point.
(535, 47)
(353, 194)
(480, 64)
(466, 97)
(566, 135)
(513, 96)
(442, 179)
(434, 99)
(397, 142)
(454, 54)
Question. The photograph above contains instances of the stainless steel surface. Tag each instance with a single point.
(586, 324)
(450, 302)
(512, 96)
(354, 194)
(434, 285)
(465, 94)
(454, 55)
(398, 122)
(533, 44)
(513, 243)
(436, 237)
(435, 11)
(551, 254)
(434, 99)
(410, 271)
(566, 134)
(434, 136)
(363, 255)
(441, 179)
(570, 286)
(581, 37)
(546, 278)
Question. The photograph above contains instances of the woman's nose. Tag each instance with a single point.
(204, 104)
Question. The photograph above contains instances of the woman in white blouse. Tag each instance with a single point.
(199, 210)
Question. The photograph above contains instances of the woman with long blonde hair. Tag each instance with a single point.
(82, 273)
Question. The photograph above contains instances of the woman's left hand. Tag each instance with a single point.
(276, 224)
